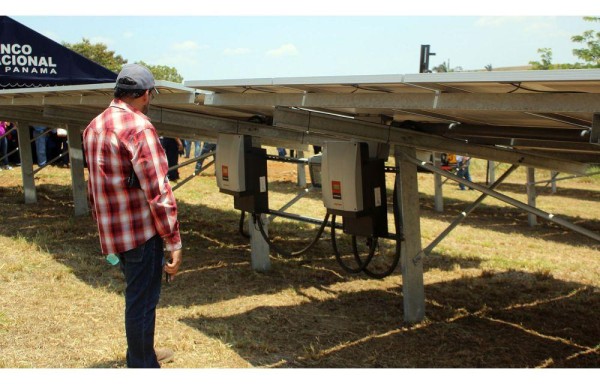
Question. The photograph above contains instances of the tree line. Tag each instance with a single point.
(589, 54)
(100, 54)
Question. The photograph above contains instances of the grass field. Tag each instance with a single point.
(499, 293)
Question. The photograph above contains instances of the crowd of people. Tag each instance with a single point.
(6, 128)
(48, 145)
(51, 145)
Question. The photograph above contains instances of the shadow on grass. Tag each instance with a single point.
(214, 245)
(211, 239)
(509, 319)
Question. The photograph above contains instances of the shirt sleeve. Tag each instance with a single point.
(90, 196)
(150, 165)
(90, 193)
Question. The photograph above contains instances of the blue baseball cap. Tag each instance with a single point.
(135, 76)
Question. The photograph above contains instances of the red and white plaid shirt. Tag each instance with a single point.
(118, 139)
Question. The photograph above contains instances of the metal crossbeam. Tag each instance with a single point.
(506, 102)
(348, 129)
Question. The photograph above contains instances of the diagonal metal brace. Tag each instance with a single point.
(507, 199)
(467, 211)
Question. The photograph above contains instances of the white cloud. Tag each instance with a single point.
(544, 27)
(128, 34)
(101, 40)
(182, 55)
(188, 45)
(236, 51)
(284, 50)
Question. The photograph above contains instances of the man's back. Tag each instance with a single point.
(119, 143)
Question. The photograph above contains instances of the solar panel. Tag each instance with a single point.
(513, 110)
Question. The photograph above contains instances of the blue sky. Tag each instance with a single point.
(237, 41)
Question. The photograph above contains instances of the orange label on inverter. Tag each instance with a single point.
(336, 189)
(225, 172)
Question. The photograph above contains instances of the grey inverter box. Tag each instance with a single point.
(241, 171)
(353, 186)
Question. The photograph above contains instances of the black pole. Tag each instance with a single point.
(425, 53)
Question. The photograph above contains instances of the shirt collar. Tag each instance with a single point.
(117, 103)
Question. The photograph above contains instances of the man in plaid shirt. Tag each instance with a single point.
(133, 204)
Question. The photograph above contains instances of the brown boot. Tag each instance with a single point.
(164, 355)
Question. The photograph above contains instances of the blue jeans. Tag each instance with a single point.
(463, 172)
(188, 148)
(197, 148)
(40, 145)
(206, 147)
(142, 267)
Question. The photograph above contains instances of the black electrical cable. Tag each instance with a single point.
(399, 239)
(286, 253)
(338, 256)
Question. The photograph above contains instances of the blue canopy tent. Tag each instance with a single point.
(29, 59)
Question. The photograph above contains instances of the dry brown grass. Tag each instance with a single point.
(499, 293)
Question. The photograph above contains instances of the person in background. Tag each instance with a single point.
(187, 144)
(4, 144)
(173, 148)
(463, 163)
(134, 207)
(13, 145)
(197, 148)
(41, 140)
(206, 147)
(62, 146)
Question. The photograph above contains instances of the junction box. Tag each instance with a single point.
(353, 186)
(241, 171)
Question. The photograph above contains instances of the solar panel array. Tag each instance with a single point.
(541, 113)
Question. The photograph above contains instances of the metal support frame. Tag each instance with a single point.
(553, 175)
(508, 200)
(26, 163)
(194, 160)
(344, 128)
(595, 131)
(259, 248)
(468, 210)
(437, 186)
(51, 161)
(190, 177)
(301, 171)
(79, 184)
(293, 201)
(554, 178)
(411, 261)
(491, 172)
(531, 196)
